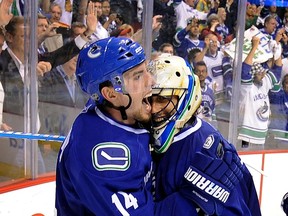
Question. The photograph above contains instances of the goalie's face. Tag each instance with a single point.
(162, 108)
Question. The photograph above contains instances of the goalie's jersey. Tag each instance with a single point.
(104, 168)
(173, 164)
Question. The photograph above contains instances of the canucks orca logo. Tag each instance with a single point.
(111, 156)
(94, 51)
(209, 142)
(262, 112)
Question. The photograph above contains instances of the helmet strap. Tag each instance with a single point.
(122, 109)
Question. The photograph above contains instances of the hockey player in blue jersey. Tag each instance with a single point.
(192, 158)
(104, 165)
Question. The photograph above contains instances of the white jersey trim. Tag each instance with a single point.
(112, 122)
(189, 131)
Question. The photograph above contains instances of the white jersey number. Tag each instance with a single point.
(130, 201)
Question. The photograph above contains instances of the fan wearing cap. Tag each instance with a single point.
(259, 72)
(256, 82)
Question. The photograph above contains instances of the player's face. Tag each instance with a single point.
(138, 84)
(163, 108)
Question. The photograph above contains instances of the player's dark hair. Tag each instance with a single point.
(106, 83)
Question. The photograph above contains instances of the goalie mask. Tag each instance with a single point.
(180, 88)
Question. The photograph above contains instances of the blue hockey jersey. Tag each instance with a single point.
(172, 165)
(104, 168)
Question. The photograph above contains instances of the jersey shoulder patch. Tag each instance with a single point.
(111, 156)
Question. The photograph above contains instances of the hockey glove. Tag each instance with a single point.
(213, 174)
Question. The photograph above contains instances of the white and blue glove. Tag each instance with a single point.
(212, 175)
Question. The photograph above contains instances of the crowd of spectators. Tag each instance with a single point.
(198, 31)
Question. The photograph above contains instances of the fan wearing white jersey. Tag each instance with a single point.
(256, 81)
(218, 66)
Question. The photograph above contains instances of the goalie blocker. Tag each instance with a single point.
(214, 173)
